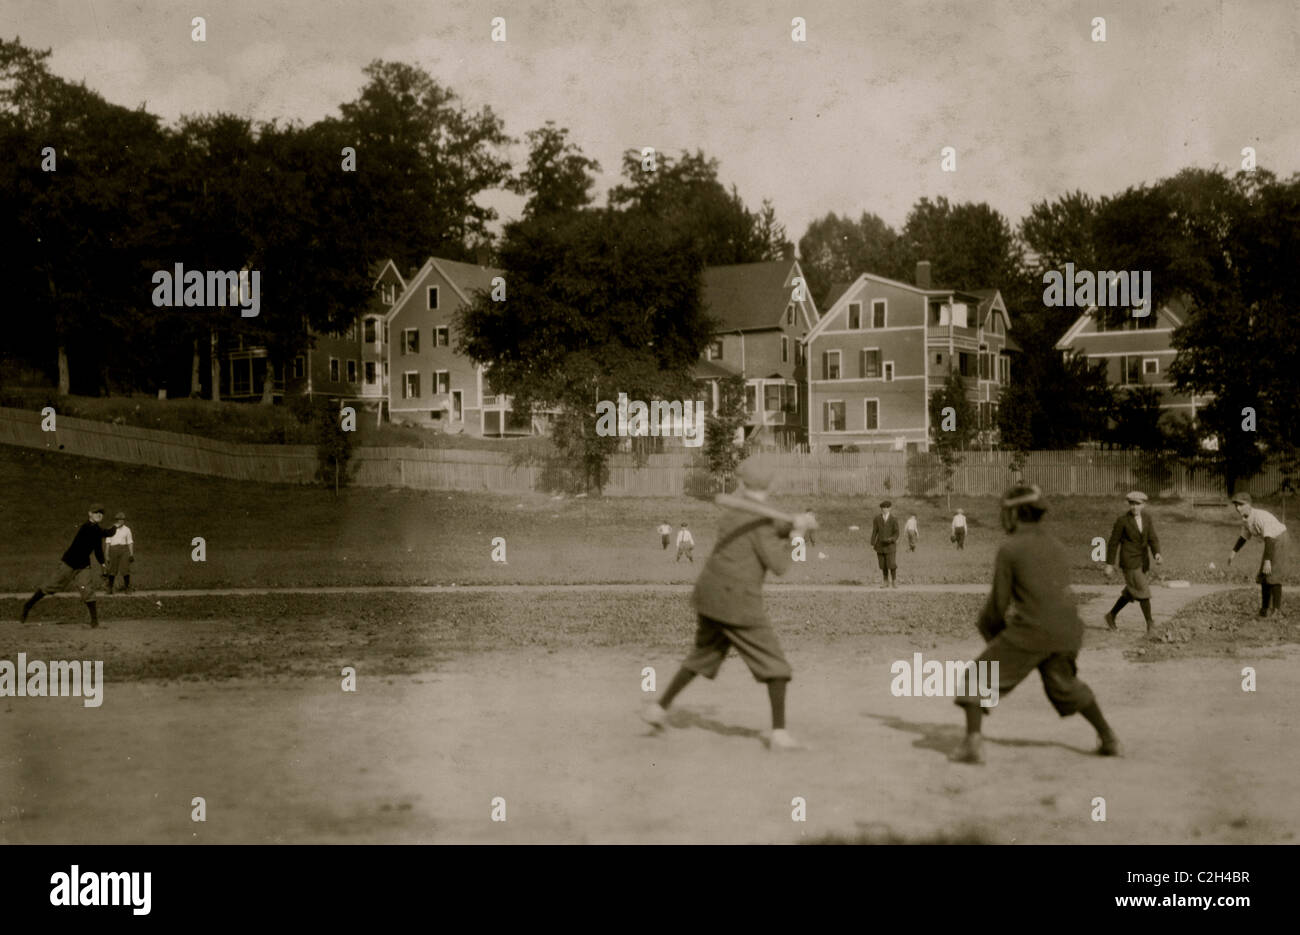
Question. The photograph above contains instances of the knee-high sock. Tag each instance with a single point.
(1092, 714)
(974, 718)
(1277, 596)
(94, 614)
(776, 695)
(1119, 604)
(1145, 604)
(680, 681)
(1265, 592)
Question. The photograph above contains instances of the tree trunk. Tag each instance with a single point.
(196, 379)
(65, 378)
(215, 368)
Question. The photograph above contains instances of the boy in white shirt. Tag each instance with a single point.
(121, 553)
(959, 529)
(913, 533)
(1257, 523)
(685, 545)
(664, 532)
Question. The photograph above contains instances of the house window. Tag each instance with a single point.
(334, 370)
(371, 330)
(986, 366)
(772, 397)
(352, 371)
(441, 336)
(1132, 368)
(889, 371)
(833, 415)
(751, 397)
(791, 394)
(457, 404)
(870, 363)
(830, 365)
(410, 385)
(410, 341)
(299, 367)
(385, 332)
(442, 381)
(1150, 365)
(1004, 369)
(798, 353)
(432, 298)
(715, 349)
(789, 314)
(878, 313)
(785, 349)
(938, 359)
(872, 417)
(855, 316)
(966, 364)
(370, 373)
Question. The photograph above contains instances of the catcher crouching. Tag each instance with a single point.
(1030, 622)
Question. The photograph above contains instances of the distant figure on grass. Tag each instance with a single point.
(913, 532)
(121, 555)
(811, 535)
(74, 567)
(1257, 523)
(884, 539)
(959, 529)
(664, 532)
(685, 545)
(1030, 622)
(1133, 541)
(728, 600)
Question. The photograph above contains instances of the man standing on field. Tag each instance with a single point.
(884, 539)
(1132, 541)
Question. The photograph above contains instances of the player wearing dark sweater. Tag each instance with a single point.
(74, 567)
(1030, 622)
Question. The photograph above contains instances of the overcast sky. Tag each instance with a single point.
(852, 120)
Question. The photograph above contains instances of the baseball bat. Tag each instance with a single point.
(747, 505)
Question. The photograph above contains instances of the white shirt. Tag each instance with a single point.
(684, 537)
(665, 529)
(1263, 524)
(959, 521)
(1137, 518)
(121, 537)
(911, 524)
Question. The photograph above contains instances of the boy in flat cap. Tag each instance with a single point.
(1133, 540)
(1257, 523)
(121, 555)
(728, 600)
(1030, 622)
(884, 539)
(74, 567)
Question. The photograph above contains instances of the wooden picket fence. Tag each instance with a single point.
(884, 473)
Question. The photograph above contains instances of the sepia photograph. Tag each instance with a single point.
(650, 423)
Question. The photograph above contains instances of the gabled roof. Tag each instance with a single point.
(749, 296)
(989, 300)
(1177, 309)
(377, 270)
(465, 279)
(838, 295)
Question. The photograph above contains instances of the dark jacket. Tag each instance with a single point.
(1030, 603)
(730, 588)
(1135, 548)
(884, 533)
(88, 541)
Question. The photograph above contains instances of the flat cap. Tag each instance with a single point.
(96, 508)
(120, 515)
(1241, 498)
(884, 504)
(1018, 496)
(1136, 496)
(756, 474)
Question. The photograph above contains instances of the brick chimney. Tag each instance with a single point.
(410, 274)
(483, 255)
(787, 251)
(923, 274)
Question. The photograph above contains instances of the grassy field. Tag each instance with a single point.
(272, 535)
(250, 423)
